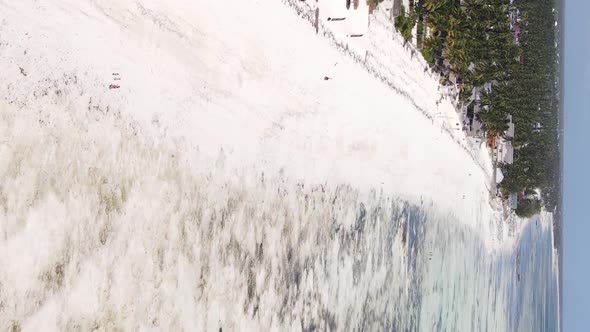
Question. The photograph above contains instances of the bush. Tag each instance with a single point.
(404, 25)
(428, 56)
(374, 2)
(528, 208)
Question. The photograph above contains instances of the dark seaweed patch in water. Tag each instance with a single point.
(361, 218)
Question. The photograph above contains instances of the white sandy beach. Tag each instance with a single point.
(211, 94)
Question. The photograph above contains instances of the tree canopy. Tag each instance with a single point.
(513, 48)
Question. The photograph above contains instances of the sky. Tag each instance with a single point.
(576, 251)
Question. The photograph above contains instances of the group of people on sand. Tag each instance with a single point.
(331, 19)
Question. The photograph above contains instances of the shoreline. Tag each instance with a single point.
(361, 51)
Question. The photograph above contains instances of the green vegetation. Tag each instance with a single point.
(428, 56)
(478, 41)
(528, 207)
(404, 24)
(532, 96)
(374, 2)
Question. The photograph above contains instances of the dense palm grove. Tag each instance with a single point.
(512, 47)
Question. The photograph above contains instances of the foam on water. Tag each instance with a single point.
(141, 234)
(134, 232)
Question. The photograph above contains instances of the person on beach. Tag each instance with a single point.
(327, 78)
(336, 18)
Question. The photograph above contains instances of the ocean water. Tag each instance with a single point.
(136, 232)
(466, 287)
(534, 305)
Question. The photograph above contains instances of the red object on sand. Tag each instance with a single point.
(114, 86)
